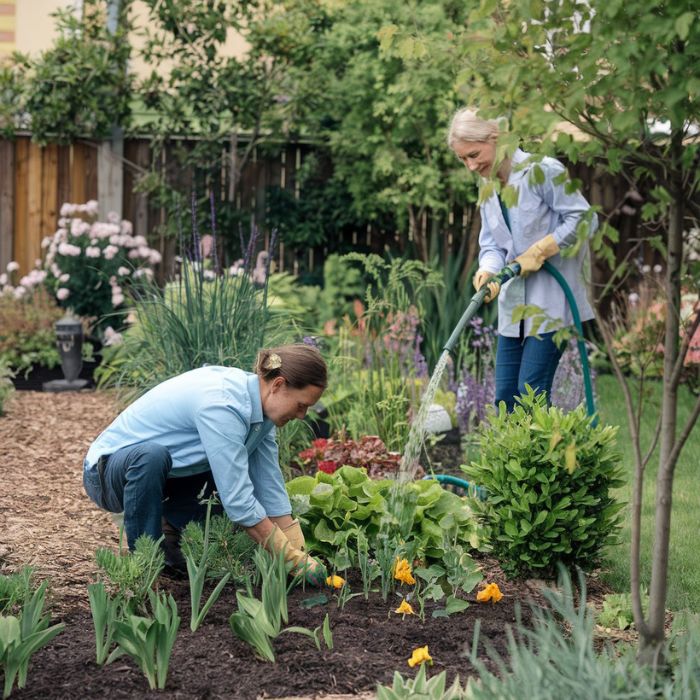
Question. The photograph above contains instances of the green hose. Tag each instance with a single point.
(508, 272)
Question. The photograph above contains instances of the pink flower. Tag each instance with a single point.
(68, 249)
(3, 279)
(91, 207)
(12, 266)
(93, 252)
(117, 299)
(64, 277)
(122, 271)
(62, 293)
(110, 251)
(154, 257)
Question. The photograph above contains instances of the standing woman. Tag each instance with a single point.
(545, 221)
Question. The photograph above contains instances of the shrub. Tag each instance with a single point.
(90, 263)
(548, 476)
(27, 334)
(6, 386)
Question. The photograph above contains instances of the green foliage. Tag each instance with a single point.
(385, 121)
(15, 590)
(197, 570)
(557, 655)
(27, 333)
(191, 323)
(346, 508)
(6, 386)
(548, 476)
(258, 621)
(342, 285)
(79, 88)
(375, 362)
(149, 640)
(132, 574)
(421, 686)
(106, 611)
(617, 610)
(229, 550)
(22, 635)
(299, 301)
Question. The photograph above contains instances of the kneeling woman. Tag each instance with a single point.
(209, 429)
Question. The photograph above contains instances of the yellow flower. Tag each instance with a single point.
(491, 593)
(335, 581)
(420, 656)
(405, 608)
(402, 571)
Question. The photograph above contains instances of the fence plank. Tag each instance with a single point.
(21, 197)
(7, 201)
(32, 242)
(49, 191)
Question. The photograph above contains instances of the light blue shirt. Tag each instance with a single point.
(541, 209)
(209, 418)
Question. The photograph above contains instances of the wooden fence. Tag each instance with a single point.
(35, 181)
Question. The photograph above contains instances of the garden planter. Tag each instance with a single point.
(38, 375)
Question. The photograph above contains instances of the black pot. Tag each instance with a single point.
(35, 379)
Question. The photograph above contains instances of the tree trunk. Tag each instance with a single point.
(652, 635)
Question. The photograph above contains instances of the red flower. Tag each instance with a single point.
(307, 454)
(320, 443)
(328, 466)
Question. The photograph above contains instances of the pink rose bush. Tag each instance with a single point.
(89, 264)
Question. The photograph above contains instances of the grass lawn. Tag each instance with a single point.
(684, 564)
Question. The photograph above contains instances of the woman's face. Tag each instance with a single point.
(281, 403)
(478, 156)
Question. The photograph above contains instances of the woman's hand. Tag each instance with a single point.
(533, 258)
(480, 278)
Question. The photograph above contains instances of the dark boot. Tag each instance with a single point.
(175, 564)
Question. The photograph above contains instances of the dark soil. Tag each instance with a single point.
(370, 642)
(47, 521)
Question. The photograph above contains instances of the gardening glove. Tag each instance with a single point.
(533, 258)
(313, 571)
(295, 536)
(480, 279)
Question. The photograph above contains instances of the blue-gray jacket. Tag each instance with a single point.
(541, 209)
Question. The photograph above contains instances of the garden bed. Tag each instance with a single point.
(47, 521)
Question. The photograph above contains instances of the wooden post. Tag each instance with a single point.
(7, 201)
(110, 174)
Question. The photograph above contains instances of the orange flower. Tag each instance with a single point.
(402, 571)
(420, 656)
(335, 581)
(405, 608)
(492, 593)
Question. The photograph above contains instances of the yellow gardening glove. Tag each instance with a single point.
(313, 571)
(295, 536)
(480, 279)
(533, 258)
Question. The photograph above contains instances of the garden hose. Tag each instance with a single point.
(507, 273)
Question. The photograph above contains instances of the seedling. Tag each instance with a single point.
(149, 641)
(105, 613)
(21, 636)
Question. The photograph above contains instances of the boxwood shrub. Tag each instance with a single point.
(548, 476)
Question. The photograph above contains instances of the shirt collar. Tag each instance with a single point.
(256, 415)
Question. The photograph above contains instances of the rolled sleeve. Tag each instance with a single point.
(223, 431)
(267, 478)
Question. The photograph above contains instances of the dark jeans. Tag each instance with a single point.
(136, 480)
(525, 360)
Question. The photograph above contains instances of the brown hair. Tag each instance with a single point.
(299, 364)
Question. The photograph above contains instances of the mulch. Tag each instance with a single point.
(47, 521)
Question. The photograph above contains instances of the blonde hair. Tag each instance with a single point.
(466, 125)
(299, 365)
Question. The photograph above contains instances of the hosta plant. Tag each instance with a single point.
(333, 506)
(548, 476)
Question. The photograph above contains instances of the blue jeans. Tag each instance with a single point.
(525, 360)
(135, 480)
